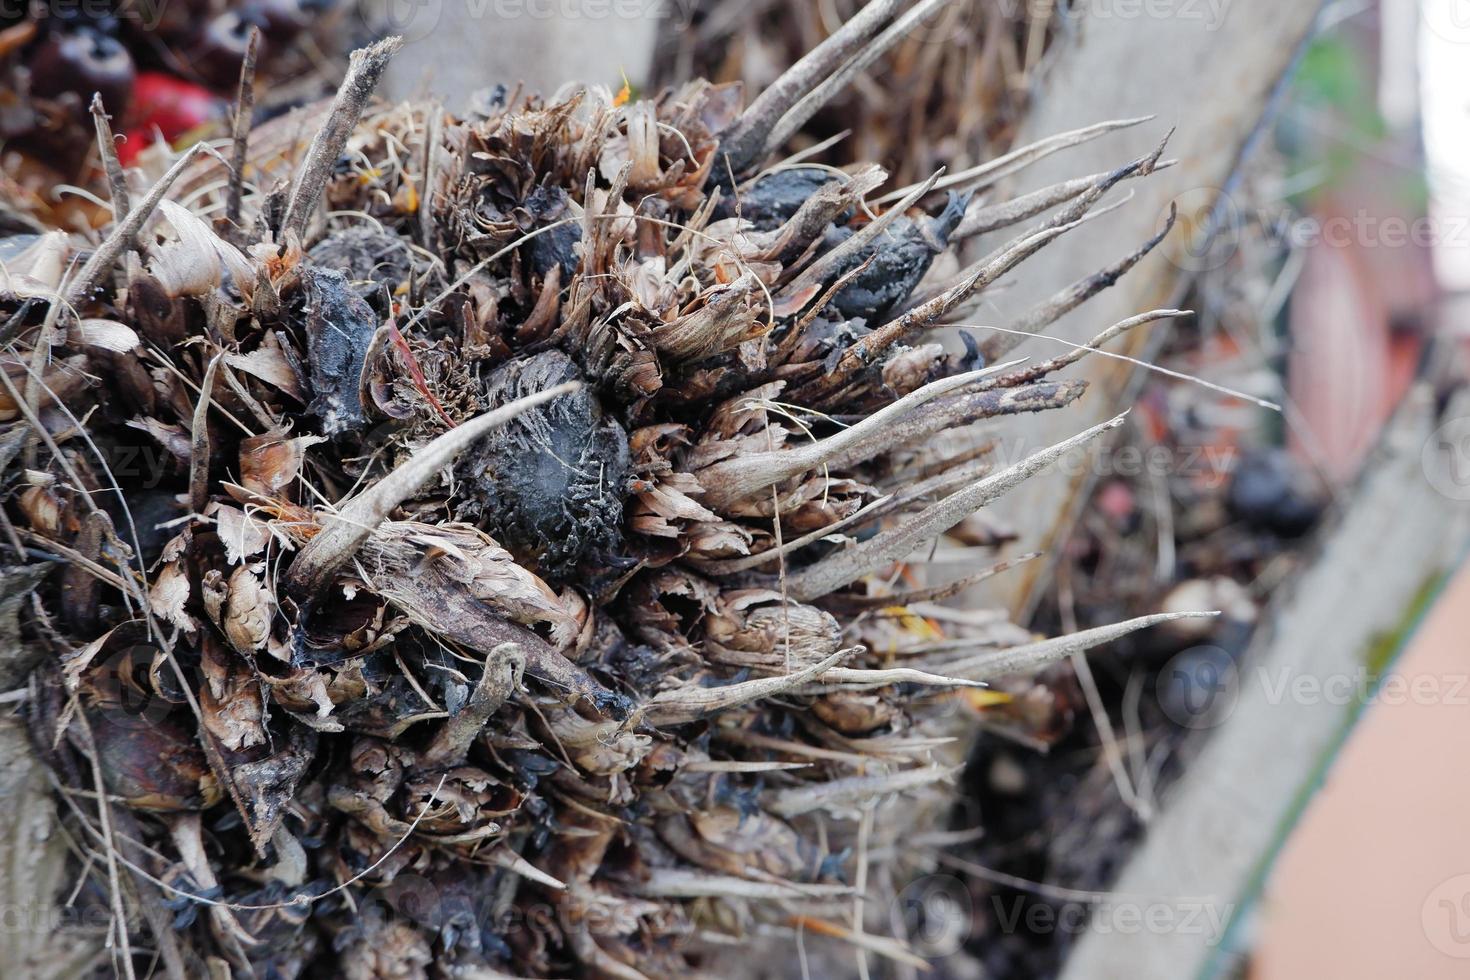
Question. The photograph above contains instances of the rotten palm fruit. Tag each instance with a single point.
(532, 580)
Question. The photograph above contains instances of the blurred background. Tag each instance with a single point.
(1277, 793)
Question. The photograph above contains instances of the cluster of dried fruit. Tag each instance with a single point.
(512, 589)
(160, 69)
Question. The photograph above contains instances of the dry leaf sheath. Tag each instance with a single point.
(537, 606)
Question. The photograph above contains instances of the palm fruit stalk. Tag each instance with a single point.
(495, 547)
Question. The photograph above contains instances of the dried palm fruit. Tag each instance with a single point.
(541, 588)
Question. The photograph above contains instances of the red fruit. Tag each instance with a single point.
(170, 105)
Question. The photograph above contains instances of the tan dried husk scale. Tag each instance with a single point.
(513, 632)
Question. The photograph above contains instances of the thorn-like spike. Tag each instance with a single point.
(117, 183)
(240, 130)
(743, 143)
(1140, 167)
(1082, 350)
(848, 566)
(850, 679)
(740, 477)
(504, 857)
(1051, 309)
(688, 883)
(984, 218)
(682, 705)
(852, 790)
(935, 594)
(199, 455)
(957, 410)
(986, 174)
(790, 124)
(1031, 657)
(733, 566)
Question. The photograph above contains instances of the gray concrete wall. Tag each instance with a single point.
(453, 47)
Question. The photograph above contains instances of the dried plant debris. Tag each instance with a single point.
(512, 562)
(944, 84)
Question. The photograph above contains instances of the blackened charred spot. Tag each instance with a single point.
(772, 200)
(560, 244)
(339, 332)
(901, 256)
(641, 667)
(375, 262)
(549, 486)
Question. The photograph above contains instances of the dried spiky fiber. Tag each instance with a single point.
(511, 589)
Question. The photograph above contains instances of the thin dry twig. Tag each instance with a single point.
(363, 71)
(744, 142)
(117, 181)
(240, 132)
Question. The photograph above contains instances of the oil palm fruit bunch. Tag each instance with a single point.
(493, 545)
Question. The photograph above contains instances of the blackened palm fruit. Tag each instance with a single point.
(559, 244)
(339, 329)
(549, 486)
(901, 256)
(83, 61)
(774, 199)
(375, 262)
(1270, 491)
(218, 50)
